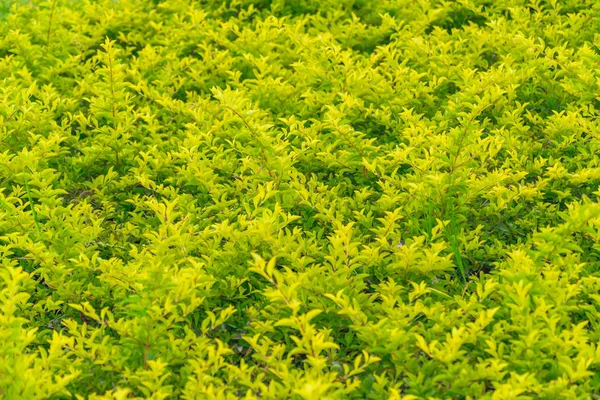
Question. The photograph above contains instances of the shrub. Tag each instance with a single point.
(299, 199)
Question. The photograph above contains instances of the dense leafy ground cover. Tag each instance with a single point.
(308, 199)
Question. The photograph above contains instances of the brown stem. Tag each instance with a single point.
(50, 22)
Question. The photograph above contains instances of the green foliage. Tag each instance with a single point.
(303, 199)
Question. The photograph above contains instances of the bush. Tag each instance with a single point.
(299, 199)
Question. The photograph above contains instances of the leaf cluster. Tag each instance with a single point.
(309, 199)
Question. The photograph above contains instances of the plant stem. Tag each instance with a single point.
(35, 218)
(50, 22)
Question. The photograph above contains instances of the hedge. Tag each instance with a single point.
(307, 199)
